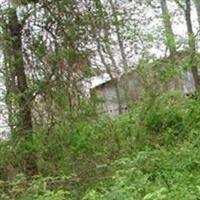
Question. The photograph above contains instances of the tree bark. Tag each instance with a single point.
(108, 50)
(122, 51)
(192, 43)
(113, 79)
(24, 119)
(170, 38)
(197, 6)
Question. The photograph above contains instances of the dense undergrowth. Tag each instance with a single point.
(151, 153)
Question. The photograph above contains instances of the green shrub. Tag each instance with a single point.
(154, 175)
(37, 189)
(152, 152)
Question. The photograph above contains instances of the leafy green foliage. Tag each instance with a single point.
(150, 153)
(38, 189)
(154, 174)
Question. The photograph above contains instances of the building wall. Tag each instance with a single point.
(107, 93)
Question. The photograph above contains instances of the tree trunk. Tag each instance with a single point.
(108, 50)
(192, 43)
(197, 5)
(109, 71)
(24, 119)
(122, 50)
(17, 98)
(170, 38)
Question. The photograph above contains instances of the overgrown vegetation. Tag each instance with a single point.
(149, 153)
(144, 144)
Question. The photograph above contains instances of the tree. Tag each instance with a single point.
(192, 43)
(197, 5)
(18, 97)
(191, 39)
(170, 38)
(17, 76)
(101, 26)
